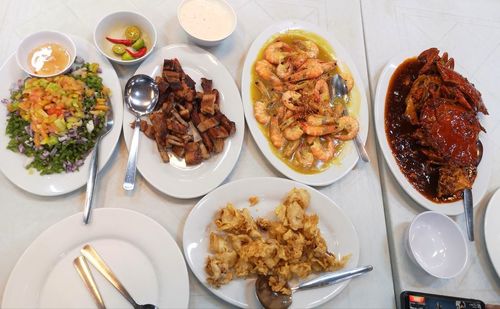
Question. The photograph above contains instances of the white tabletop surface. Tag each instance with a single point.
(24, 216)
(470, 31)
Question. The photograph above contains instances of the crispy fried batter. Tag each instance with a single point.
(282, 249)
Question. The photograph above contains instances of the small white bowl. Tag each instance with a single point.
(114, 24)
(198, 37)
(436, 243)
(34, 40)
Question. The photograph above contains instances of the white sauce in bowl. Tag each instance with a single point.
(209, 20)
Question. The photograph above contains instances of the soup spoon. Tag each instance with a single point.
(141, 96)
(468, 201)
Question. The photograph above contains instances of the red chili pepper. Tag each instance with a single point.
(125, 42)
(55, 111)
(138, 54)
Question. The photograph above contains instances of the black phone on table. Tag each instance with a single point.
(419, 300)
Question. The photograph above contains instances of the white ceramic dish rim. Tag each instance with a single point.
(128, 62)
(72, 52)
(492, 230)
(349, 157)
(230, 154)
(280, 181)
(65, 185)
(457, 228)
(233, 13)
(484, 170)
(128, 215)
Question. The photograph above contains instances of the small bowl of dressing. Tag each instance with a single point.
(207, 22)
(46, 53)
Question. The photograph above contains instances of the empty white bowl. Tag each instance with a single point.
(34, 40)
(207, 22)
(436, 243)
(114, 25)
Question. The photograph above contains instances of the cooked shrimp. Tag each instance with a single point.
(262, 88)
(338, 110)
(348, 79)
(312, 68)
(319, 120)
(293, 133)
(267, 72)
(297, 59)
(318, 130)
(347, 128)
(322, 92)
(323, 153)
(276, 52)
(308, 47)
(304, 156)
(275, 133)
(290, 148)
(260, 112)
(290, 97)
(284, 69)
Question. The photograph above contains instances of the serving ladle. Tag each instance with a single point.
(469, 202)
(274, 300)
(339, 90)
(141, 95)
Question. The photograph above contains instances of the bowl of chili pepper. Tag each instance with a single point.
(125, 37)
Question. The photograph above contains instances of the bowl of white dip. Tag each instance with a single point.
(207, 22)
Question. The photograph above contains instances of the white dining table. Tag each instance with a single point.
(371, 31)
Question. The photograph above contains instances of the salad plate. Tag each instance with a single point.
(176, 178)
(358, 107)
(336, 228)
(483, 170)
(142, 254)
(13, 164)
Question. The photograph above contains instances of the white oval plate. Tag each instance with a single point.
(174, 178)
(484, 168)
(13, 164)
(143, 255)
(492, 230)
(335, 226)
(349, 156)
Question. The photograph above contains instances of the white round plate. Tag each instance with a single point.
(348, 156)
(492, 230)
(483, 170)
(13, 164)
(174, 178)
(142, 254)
(335, 226)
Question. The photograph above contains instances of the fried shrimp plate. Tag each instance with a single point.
(290, 246)
(294, 106)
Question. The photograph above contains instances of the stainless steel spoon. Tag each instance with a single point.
(339, 90)
(94, 166)
(141, 95)
(273, 300)
(83, 269)
(91, 255)
(468, 201)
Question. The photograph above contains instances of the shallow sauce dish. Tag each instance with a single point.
(483, 169)
(492, 230)
(336, 228)
(114, 25)
(357, 108)
(32, 42)
(207, 22)
(436, 243)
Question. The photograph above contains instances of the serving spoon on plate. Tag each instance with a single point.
(273, 300)
(469, 202)
(94, 166)
(141, 96)
(339, 90)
